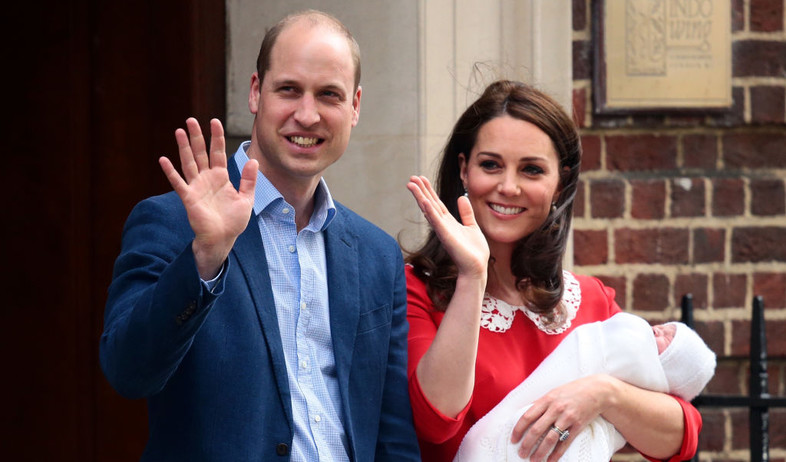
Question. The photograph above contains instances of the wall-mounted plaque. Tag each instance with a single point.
(662, 55)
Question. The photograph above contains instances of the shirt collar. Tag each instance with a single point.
(266, 196)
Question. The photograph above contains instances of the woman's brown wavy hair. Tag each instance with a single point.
(537, 258)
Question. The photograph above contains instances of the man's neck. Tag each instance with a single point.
(298, 191)
(300, 195)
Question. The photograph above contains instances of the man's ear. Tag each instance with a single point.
(253, 93)
(356, 106)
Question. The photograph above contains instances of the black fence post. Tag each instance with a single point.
(758, 400)
(759, 415)
(687, 319)
(687, 310)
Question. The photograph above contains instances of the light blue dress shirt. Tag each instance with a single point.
(298, 274)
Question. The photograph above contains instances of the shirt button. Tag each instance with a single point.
(291, 249)
(285, 210)
(317, 418)
(302, 305)
(303, 364)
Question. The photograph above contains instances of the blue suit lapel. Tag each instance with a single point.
(344, 298)
(249, 252)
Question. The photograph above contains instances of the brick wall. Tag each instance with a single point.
(674, 204)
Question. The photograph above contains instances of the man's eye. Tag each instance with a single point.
(331, 94)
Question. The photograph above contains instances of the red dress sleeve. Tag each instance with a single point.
(690, 438)
(431, 425)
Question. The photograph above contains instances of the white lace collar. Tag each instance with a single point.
(497, 315)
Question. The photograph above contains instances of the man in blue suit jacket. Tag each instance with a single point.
(282, 336)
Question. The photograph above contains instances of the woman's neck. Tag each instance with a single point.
(501, 281)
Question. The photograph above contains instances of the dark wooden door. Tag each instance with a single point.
(96, 90)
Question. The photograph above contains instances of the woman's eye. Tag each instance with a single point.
(488, 164)
(533, 170)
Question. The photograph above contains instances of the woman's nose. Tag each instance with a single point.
(508, 186)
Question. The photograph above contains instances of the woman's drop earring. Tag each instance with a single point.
(553, 207)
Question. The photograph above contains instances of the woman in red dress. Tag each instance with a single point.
(489, 300)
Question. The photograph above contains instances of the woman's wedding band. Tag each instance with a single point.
(563, 434)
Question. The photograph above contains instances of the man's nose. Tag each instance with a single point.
(307, 111)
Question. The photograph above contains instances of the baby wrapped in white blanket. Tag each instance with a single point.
(623, 346)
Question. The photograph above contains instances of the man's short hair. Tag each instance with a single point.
(317, 18)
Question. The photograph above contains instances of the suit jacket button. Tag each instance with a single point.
(282, 449)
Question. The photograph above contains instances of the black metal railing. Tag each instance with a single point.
(758, 400)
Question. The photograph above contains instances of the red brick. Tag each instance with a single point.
(758, 244)
(739, 429)
(590, 155)
(713, 335)
(687, 197)
(590, 247)
(694, 284)
(768, 197)
(648, 200)
(728, 197)
(726, 380)
(582, 60)
(766, 15)
(737, 15)
(713, 430)
(709, 245)
(758, 58)
(729, 290)
(754, 150)
(768, 104)
(776, 340)
(700, 151)
(641, 152)
(741, 339)
(607, 198)
(659, 245)
(618, 284)
(578, 201)
(777, 428)
(651, 292)
(772, 287)
(579, 15)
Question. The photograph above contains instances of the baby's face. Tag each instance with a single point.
(664, 334)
